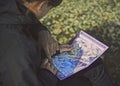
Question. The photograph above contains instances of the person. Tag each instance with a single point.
(25, 44)
(22, 37)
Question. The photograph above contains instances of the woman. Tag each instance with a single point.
(22, 41)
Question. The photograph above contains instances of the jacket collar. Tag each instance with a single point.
(12, 12)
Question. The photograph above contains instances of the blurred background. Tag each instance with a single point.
(99, 18)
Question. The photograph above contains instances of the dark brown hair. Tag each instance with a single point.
(53, 3)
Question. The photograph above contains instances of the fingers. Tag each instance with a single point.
(51, 48)
(45, 61)
(55, 46)
(64, 48)
(49, 66)
(47, 52)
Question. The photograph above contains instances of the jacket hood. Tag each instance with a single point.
(8, 12)
(7, 6)
(11, 13)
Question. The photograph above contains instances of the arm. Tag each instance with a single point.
(47, 44)
(17, 66)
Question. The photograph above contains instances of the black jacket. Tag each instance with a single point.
(19, 56)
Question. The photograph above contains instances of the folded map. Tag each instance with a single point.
(86, 49)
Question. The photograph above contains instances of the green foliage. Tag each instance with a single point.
(73, 15)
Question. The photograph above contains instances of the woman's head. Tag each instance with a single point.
(40, 7)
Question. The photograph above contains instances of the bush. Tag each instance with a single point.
(74, 15)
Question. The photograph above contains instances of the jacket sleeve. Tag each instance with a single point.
(16, 64)
(36, 28)
(39, 27)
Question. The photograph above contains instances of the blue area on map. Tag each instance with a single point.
(66, 63)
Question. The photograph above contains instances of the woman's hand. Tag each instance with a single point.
(65, 47)
(47, 64)
(47, 43)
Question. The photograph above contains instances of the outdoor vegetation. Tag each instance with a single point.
(99, 18)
